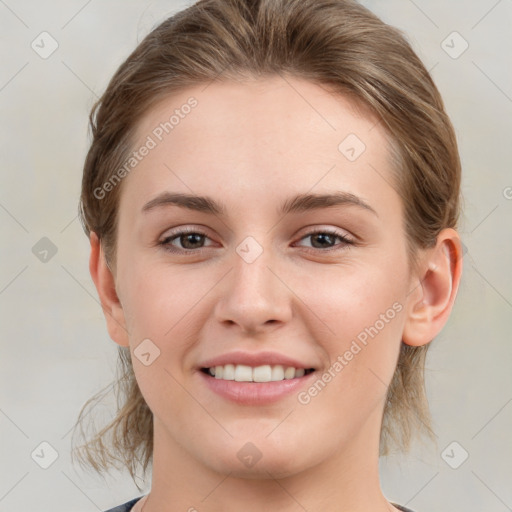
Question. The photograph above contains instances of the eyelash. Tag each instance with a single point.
(166, 242)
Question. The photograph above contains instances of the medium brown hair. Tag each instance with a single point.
(336, 43)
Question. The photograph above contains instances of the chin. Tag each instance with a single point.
(276, 467)
(257, 459)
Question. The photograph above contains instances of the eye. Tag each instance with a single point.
(189, 240)
(192, 240)
(326, 239)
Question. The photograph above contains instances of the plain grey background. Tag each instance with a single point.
(56, 351)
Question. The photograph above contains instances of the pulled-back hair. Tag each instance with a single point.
(337, 43)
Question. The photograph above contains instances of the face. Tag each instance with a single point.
(260, 319)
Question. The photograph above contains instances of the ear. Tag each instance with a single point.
(435, 288)
(105, 285)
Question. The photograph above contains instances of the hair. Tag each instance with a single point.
(334, 43)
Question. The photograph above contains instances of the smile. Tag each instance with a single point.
(263, 373)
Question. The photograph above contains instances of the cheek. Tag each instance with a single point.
(159, 298)
(161, 308)
(362, 315)
(348, 299)
(366, 313)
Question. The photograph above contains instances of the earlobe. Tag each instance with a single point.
(431, 301)
(105, 285)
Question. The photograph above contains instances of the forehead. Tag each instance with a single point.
(257, 137)
(270, 107)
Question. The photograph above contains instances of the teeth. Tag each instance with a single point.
(242, 373)
(289, 373)
(277, 372)
(229, 372)
(264, 373)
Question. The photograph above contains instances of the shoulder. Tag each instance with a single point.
(125, 507)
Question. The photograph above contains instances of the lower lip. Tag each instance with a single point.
(255, 393)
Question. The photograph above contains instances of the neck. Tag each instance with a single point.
(345, 481)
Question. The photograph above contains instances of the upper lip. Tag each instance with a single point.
(254, 359)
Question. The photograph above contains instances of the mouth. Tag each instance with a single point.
(255, 378)
(256, 374)
(261, 385)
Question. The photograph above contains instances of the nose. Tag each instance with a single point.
(254, 296)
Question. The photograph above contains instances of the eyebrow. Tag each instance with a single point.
(296, 204)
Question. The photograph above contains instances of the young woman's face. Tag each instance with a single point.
(294, 256)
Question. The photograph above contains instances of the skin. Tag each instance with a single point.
(251, 145)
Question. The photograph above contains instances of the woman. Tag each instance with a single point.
(271, 197)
